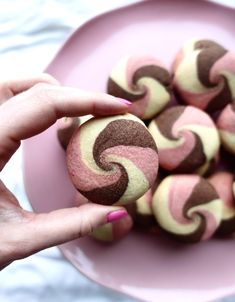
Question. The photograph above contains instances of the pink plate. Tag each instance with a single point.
(147, 268)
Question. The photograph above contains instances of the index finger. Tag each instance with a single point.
(36, 109)
(13, 86)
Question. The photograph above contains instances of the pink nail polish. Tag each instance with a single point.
(124, 101)
(116, 215)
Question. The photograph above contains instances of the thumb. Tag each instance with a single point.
(54, 228)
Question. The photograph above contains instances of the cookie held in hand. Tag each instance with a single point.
(112, 160)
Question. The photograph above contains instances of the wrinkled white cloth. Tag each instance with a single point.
(31, 32)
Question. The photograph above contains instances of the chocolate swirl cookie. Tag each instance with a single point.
(187, 140)
(224, 184)
(204, 75)
(111, 232)
(144, 81)
(112, 160)
(65, 128)
(187, 207)
(226, 127)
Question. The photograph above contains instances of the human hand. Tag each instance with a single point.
(27, 107)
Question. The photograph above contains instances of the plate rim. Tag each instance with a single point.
(66, 41)
(103, 14)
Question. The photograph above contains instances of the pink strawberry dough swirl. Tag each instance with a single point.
(226, 127)
(187, 207)
(224, 184)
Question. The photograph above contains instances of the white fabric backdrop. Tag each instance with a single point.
(31, 32)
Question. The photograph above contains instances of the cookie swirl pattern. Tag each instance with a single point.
(226, 126)
(181, 134)
(112, 160)
(144, 81)
(204, 75)
(187, 207)
(224, 184)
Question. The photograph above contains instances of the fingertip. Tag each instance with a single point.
(116, 215)
(122, 227)
(111, 105)
(124, 101)
(125, 223)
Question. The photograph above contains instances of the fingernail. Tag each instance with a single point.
(126, 102)
(116, 215)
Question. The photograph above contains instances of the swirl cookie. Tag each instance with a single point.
(204, 75)
(65, 128)
(224, 184)
(187, 207)
(112, 160)
(190, 46)
(114, 231)
(144, 81)
(187, 140)
(226, 126)
(141, 211)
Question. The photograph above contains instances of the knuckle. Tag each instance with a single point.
(5, 91)
(42, 91)
(47, 78)
(40, 87)
(3, 86)
(88, 229)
